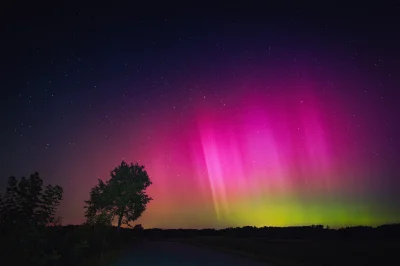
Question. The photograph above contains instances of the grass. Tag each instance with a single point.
(304, 252)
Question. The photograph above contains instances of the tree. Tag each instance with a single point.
(51, 198)
(26, 203)
(9, 211)
(138, 227)
(123, 196)
(26, 209)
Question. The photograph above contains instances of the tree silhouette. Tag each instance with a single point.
(138, 227)
(26, 203)
(123, 196)
(26, 211)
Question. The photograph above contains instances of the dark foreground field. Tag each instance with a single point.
(276, 246)
(163, 253)
(304, 252)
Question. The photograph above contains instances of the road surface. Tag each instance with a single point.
(177, 254)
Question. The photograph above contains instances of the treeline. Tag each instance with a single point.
(389, 231)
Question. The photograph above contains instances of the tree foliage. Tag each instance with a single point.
(27, 203)
(26, 210)
(122, 196)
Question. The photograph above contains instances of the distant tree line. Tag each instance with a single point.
(389, 231)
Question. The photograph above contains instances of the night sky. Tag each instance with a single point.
(269, 115)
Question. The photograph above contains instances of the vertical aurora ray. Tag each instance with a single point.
(215, 175)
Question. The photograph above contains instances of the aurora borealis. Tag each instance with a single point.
(269, 122)
(262, 158)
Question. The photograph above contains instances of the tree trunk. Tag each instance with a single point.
(120, 221)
